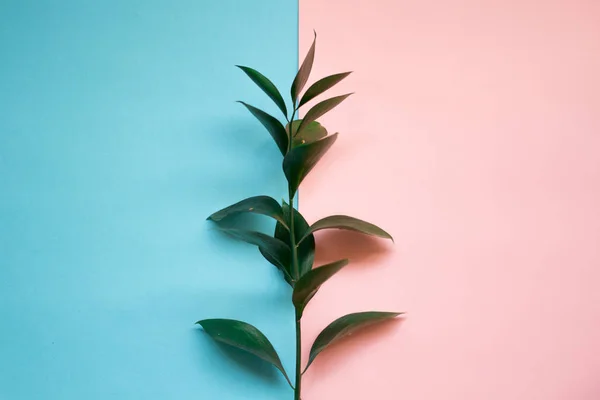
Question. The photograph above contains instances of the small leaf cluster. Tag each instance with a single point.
(291, 247)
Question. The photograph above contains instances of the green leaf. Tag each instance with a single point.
(267, 86)
(299, 161)
(304, 72)
(282, 233)
(345, 326)
(311, 133)
(322, 85)
(243, 336)
(319, 109)
(348, 223)
(278, 251)
(308, 285)
(264, 205)
(306, 250)
(286, 274)
(275, 128)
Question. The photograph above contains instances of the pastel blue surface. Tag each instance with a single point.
(119, 135)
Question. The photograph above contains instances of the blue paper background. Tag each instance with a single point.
(118, 136)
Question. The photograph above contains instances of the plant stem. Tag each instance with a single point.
(295, 268)
(295, 272)
(298, 358)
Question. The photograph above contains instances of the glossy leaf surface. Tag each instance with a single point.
(321, 86)
(311, 133)
(275, 128)
(345, 326)
(308, 285)
(263, 205)
(302, 159)
(351, 224)
(304, 72)
(243, 336)
(278, 251)
(267, 86)
(319, 109)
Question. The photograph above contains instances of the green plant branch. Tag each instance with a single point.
(290, 251)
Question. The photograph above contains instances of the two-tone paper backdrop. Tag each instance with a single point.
(473, 137)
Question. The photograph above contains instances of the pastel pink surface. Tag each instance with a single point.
(474, 138)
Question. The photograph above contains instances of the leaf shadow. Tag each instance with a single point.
(358, 248)
(336, 354)
(244, 360)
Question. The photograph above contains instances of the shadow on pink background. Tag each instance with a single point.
(474, 138)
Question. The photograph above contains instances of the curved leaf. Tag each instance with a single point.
(282, 233)
(276, 249)
(264, 205)
(299, 161)
(348, 223)
(306, 254)
(311, 133)
(272, 124)
(243, 336)
(322, 85)
(286, 274)
(321, 108)
(267, 86)
(306, 250)
(308, 285)
(345, 326)
(304, 72)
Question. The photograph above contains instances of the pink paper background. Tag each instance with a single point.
(474, 138)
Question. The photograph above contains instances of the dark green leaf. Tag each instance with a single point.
(309, 283)
(319, 109)
(306, 250)
(282, 233)
(302, 159)
(264, 205)
(304, 72)
(276, 249)
(345, 326)
(275, 128)
(349, 223)
(311, 133)
(267, 86)
(286, 274)
(245, 337)
(306, 254)
(322, 85)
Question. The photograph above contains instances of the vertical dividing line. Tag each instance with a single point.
(298, 382)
